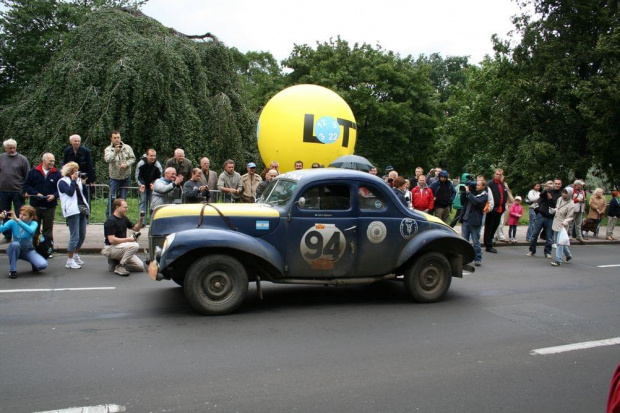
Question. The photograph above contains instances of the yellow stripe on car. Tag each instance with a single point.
(229, 210)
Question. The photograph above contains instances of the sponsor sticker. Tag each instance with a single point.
(376, 232)
(408, 228)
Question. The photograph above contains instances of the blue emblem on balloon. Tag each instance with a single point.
(327, 129)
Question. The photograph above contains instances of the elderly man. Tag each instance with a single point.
(250, 182)
(208, 177)
(181, 164)
(263, 185)
(167, 189)
(120, 249)
(41, 186)
(14, 168)
(272, 165)
(119, 156)
(79, 154)
(229, 182)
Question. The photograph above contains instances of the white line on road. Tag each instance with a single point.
(38, 290)
(103, 408)
(576, 346)
(609, 266)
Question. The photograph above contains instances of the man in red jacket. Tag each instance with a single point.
(422, 197)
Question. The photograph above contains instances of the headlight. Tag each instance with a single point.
(167, 242)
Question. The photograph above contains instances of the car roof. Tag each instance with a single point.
(308, 175)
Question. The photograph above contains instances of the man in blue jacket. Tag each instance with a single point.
(473, 201)
(41, 186)
(81, 155)
(444, 192)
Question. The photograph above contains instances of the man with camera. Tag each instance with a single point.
(194, 191)
(473, 199)
(41, 186)
(120, 249)
(119, 157)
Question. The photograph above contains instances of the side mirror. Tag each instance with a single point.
(301, 202)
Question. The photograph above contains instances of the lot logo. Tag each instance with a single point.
(308, 123)
(408, 228)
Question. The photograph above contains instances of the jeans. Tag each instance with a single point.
(611, 224)
(575, 226)
(6, 200)
(473, 231)
(530, 228)
(115, 184)
(145, 203)
(15, 251)
(561, 250)
(545, 223)
(77, 231)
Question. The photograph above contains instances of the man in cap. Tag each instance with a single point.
(250, 183)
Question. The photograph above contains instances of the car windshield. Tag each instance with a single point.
(278, 192)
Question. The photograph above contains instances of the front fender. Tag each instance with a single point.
(448, 243)
(201, 238)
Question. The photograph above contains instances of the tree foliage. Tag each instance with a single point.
(120, 71)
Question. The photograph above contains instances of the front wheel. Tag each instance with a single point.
(429, 278)
(216, 284)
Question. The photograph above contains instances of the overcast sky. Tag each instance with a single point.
(449, 27)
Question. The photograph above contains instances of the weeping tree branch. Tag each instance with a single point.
(138, 13)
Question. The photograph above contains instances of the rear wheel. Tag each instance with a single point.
(429, 278)
(216, 284)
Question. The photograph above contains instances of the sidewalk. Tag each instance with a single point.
(94, 238)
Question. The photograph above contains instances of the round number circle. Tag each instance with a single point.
(322, 242)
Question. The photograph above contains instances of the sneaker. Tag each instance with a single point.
(78, 260)
(13, 274)
(50, 256)
(491, 250)
(477, 263)
(72, 264)
(567, 260)
(121, 270)
(555, 263)
(530, 254)
(548, 256)
(112, 264)
(554, 246)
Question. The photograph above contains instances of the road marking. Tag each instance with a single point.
(609, 266)
(102, 408)
(576, 346)
(39, 290)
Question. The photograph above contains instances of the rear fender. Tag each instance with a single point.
(453, 246)
(203, 239)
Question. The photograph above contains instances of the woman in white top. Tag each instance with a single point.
(75, 210)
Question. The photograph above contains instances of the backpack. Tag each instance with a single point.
(44, 247)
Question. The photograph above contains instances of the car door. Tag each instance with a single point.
(383, 231)
(321, 235)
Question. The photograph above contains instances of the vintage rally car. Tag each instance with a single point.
(314, 226)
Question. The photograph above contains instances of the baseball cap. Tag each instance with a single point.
(251, 165)
(389, 168)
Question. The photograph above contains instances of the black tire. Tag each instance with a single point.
(216, 284)
(429, 278)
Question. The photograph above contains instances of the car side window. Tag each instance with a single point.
(327, 197)
(369, 199)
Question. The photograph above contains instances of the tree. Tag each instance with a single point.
(119, 70)
(32, 30)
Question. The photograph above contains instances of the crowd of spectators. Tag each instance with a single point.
(477, 203)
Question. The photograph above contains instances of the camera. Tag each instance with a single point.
(9, 214)
(83, 175)
(471, 184)
(142, 214)
(136, 235)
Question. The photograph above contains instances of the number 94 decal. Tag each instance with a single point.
(322, 243)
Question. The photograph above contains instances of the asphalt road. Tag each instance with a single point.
(140, 346)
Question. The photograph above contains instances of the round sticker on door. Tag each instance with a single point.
(376, 232)
(322, 245)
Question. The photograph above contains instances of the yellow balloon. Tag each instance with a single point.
(309, 123)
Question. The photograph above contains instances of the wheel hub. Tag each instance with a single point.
(217, 285)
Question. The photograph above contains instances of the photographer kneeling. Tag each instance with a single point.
(473, 199)
(23, 229)
(120, 249)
